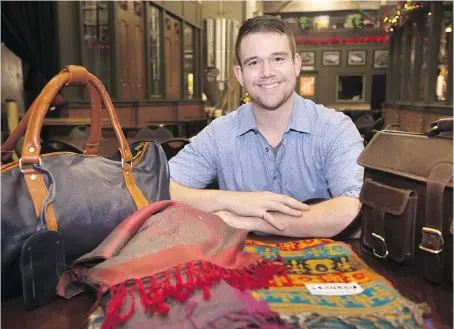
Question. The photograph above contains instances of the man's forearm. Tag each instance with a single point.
(205, 200)
(325, 219)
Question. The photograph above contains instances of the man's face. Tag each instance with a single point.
(267, 71)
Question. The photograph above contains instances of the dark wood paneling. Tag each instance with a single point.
(124, 61)
(136, 116)
(172, 44)
(125, 115)
(415, 119)
(69, 40)
(190, 112)
(155, 113)
(131, 49)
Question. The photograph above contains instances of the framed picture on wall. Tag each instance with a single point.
(307, 86)
(307, 58)
(331, 58)
(381, 59)
(356, 57)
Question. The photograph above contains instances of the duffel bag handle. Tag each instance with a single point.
(92, 145)
(439, 126)
(70, 75)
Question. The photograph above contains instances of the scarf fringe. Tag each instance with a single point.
(198, 275)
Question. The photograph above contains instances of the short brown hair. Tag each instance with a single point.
(262, 24)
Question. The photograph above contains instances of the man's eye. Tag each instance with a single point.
(278, 59)
(252, 63)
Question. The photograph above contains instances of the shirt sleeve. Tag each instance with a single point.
(195, 166)
(344, 144)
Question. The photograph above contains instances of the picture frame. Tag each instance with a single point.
(307, 58)
(307, 85)
(331, 58)
(381, 58)
(356, 57)
(350, 87)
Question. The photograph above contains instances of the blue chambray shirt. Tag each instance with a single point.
(317, 157)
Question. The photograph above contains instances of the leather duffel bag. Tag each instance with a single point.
(408, 201)
(59, 206)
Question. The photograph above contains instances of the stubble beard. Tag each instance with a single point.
(266, 105)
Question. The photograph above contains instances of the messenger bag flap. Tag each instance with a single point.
(390, 200)
(405, 154)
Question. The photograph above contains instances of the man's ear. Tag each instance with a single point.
(238, 74)
(297, 62)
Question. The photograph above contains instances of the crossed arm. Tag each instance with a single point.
(322, 220)
(272, 213)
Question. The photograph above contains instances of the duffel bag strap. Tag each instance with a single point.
(432, 242)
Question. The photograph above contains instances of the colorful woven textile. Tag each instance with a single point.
(167, 253)
(379, 306)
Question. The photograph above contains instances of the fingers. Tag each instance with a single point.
(273, 221)
(282, 208)
(292, 203)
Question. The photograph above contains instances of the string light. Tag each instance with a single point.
(401, 13)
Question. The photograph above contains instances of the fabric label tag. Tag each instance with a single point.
(334, 289)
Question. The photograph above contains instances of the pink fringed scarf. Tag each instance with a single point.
(166, 253)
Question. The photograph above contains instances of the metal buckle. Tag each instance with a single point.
(431, 231)
(123, 163)
(40, 162)
(380, 238)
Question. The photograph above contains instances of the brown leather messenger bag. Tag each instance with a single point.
(408, 201)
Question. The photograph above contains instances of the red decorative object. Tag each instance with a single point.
(381, 39)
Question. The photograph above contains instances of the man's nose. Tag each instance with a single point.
(267, 69)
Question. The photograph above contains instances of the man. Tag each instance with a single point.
(274, 152)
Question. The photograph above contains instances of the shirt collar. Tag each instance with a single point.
(298, 120)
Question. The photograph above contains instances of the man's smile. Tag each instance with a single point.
(269, 85)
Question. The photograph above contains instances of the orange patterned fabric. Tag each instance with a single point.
(324, 261)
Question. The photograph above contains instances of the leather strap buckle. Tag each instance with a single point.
(426, 240)
(385, 246)
(40, 163)
(125, 164)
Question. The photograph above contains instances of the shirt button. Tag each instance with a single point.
(267, 149)
(275, 177)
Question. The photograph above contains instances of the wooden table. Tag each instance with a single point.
(72, 314)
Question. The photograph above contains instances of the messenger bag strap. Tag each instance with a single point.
(432, 242)
(380, 248)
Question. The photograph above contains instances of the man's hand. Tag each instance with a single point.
(246, 204)
(240, 222)
(258, 205)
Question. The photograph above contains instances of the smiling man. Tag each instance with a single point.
(274, 153)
